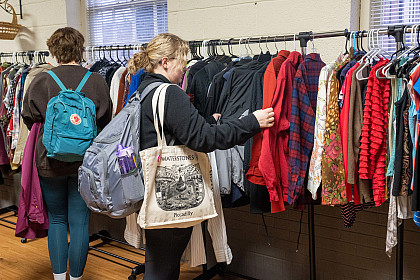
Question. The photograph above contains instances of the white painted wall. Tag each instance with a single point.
(202, 19)
(40, 19)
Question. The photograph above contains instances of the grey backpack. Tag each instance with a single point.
(101, 184)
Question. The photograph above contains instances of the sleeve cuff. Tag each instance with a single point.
(252, 122)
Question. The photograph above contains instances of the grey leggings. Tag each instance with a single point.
(164, 248)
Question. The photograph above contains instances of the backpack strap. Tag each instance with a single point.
(83, 82)
(57, 80)
(61, 85)
(148, 89)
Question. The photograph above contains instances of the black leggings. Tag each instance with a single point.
(164, 248)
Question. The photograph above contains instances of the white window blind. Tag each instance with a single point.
(384, 13)
(125, 21)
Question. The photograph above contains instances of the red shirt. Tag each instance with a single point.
(274, 159)
(344, 126)
(254, 175)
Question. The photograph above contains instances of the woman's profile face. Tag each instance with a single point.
(175, 71)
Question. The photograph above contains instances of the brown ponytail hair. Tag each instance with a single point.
(162, 45)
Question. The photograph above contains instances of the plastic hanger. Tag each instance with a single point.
(232, 55)
(118, 56)
(347, 39)
(365, 59)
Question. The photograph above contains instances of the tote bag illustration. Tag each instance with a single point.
(178, 186)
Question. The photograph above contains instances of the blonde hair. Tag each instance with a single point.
(162, 45)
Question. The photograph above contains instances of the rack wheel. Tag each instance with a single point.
(105, 234)
(23, 240)
(132, 277)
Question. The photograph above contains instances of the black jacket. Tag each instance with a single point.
(183, 122)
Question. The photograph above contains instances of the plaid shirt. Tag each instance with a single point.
(302, 124)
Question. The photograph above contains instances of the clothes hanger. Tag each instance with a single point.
(365, 59)
(232, 55)
(285, 44)
(391, 66)
(266, 45)
(240, 49)
(405, 69)
(251, 53)
(313, 50)
(111, 59)
(347, 39)
(203, 45)
(124, 61)
(118, 56)
(380, 53)
(275, 45)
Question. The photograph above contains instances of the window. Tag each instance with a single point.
(384, 13)
(113, 22)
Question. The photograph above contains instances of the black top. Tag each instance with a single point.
(189, 128)
(200, 84)
(236, 95)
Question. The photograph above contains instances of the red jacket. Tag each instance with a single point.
(274, 158)
(254, 175)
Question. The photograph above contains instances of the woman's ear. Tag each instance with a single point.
(164, 63)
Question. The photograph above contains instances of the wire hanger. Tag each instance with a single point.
(266, 45)
(314, 50)
(275, 45)
(240, 49)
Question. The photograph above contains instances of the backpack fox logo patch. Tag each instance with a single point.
(75, 119)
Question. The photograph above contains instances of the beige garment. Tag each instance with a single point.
(113, 90)
(23, 130)
(324, 88)
(195, 253)
(133, 233)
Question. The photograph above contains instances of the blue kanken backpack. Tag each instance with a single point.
(70, 123)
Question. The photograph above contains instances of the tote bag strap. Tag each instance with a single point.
(158, 106)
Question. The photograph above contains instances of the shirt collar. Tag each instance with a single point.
(295, 59)
(283, 53)
(159, 76)
(313, 56)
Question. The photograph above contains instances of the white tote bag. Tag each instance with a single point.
(178, 186)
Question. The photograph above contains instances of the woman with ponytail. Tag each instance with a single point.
(164, 60)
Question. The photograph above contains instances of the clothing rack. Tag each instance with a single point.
(31, 55)
(397, 32)
(14, 209)
(105, 237)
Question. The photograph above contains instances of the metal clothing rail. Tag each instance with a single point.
(24, 53)
(304, 37)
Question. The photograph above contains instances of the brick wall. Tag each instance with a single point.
(10, 191)
(341, 253)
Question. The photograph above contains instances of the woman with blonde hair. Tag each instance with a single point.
(165, 60)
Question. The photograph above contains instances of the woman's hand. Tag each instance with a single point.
(216, 116)
(265, 117)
